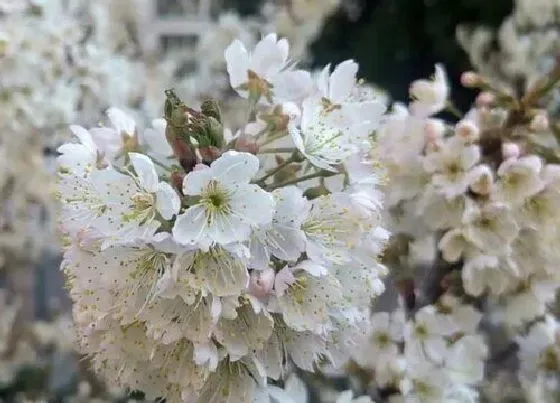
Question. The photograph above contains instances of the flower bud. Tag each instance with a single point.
(209, 154)
(211, 108)
(176, 180)
(539, 122)
(261, 282)
(510, 150)
(185, 153)
(470, 79)
(485, 99)
(248, 144)
(467, 130)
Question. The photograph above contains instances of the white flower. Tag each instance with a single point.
(430, 96)
(340, 89)
(439, 211)
(539, 350)
(228, 206)
(332, 229)
(216, 271)
(540, 211)
(425, 335)
(113, 141)
(386, 331)
(324, 142)
(266, 72)
(121, 207)
(283, 236)
(486, 272)
(465, 359)
(518, 179)
(79, 158)
(450, 166)
(307, 302)
(490, 227)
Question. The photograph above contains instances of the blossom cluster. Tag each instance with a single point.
(486, 199)
(197, 273)
(527, 42)
(476, 201)
(437, 355)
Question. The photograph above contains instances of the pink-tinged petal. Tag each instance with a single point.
(284, 279)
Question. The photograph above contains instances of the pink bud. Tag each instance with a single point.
(539, 122)
(510, 150)
(484, 99)
(261, 282)
(433, 130)
(470, 79)
(467, 130)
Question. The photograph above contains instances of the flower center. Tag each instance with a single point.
(143, 208)
(549, 360)
(216, 200)
(382, 339)
(298, 290)
(421, 331)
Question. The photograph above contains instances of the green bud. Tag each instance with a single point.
(215, 131)
(211, 109)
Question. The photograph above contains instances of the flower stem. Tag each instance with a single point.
(277, 150)
(272, 139)
(319, 174)
(451, 108)
(275, 170)
(161, 165)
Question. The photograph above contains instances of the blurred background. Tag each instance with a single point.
(65, 62)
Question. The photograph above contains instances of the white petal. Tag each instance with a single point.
(254, 205)
(323, 81)
(268, 58)
(237, 60)
(196, 181)
(235, 167)
(123, 123)
(168, 202)
(155, 138)
(146, 171)
(313, 268)
(343, 80)
(292, 85)
(107, 140)
(84, 136)
(190, 226)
